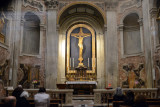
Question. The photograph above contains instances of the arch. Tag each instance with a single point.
(35, 13)
(128, 13)
(75, 3)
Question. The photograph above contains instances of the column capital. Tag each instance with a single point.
(105, 27)
(42, 27)
(140, 22)
(120, 27)
(51, 4)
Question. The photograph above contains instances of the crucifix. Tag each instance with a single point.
(80, 37)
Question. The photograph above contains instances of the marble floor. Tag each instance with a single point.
(83, 103)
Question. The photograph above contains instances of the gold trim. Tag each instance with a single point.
(93, 45)
(2, 38)
(79, 2)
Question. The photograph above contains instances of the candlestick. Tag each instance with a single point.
(88, 62)
(73, 62)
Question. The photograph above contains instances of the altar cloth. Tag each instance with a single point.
(81, 82)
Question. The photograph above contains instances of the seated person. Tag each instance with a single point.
(42, 99)
(118, 96)
(21, 97)
(10, 101)
(129, 98)
(140, 101)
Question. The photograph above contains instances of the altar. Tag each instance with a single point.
(82, 87)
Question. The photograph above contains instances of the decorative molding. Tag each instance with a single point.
(51, 4)
(34, 3)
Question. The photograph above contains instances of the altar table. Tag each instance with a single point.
(82, 87)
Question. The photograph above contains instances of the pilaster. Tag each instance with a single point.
(51, 44)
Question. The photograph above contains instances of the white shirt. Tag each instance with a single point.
(42, 100)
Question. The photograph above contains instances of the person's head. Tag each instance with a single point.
(20, 86)
(10, 101)
(119, 91)
(17, 92)
(42, 90)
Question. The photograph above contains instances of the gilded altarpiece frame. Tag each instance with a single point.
(92, 73)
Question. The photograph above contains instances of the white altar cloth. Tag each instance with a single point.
(81, 82)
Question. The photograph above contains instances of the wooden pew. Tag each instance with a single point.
(110, 100)
(149, 103)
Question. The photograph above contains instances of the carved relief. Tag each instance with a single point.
(51, 4)
(27, 74)
(4, 72)
(33, 3)
(130, 4)
(135, 77)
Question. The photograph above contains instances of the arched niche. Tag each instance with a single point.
(75, 15)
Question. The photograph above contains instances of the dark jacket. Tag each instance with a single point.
(22, 102)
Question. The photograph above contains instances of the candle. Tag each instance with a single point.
(70, 62)
(88, 62)
(92, 62)
(73, 62)
(10, 74)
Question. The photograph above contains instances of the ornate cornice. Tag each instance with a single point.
(51, 4)
(34, 3)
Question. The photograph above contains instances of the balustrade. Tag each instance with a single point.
(64, 95)
(101, 95)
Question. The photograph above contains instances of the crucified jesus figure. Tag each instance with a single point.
(80, 37)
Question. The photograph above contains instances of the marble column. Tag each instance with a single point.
(111, 50)
(16, 41)
(147, 42)
(51, 45)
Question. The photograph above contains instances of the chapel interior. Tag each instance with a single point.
(80, 47)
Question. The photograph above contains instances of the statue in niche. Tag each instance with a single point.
(133, 79)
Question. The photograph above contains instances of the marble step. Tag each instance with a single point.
(83, 97)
